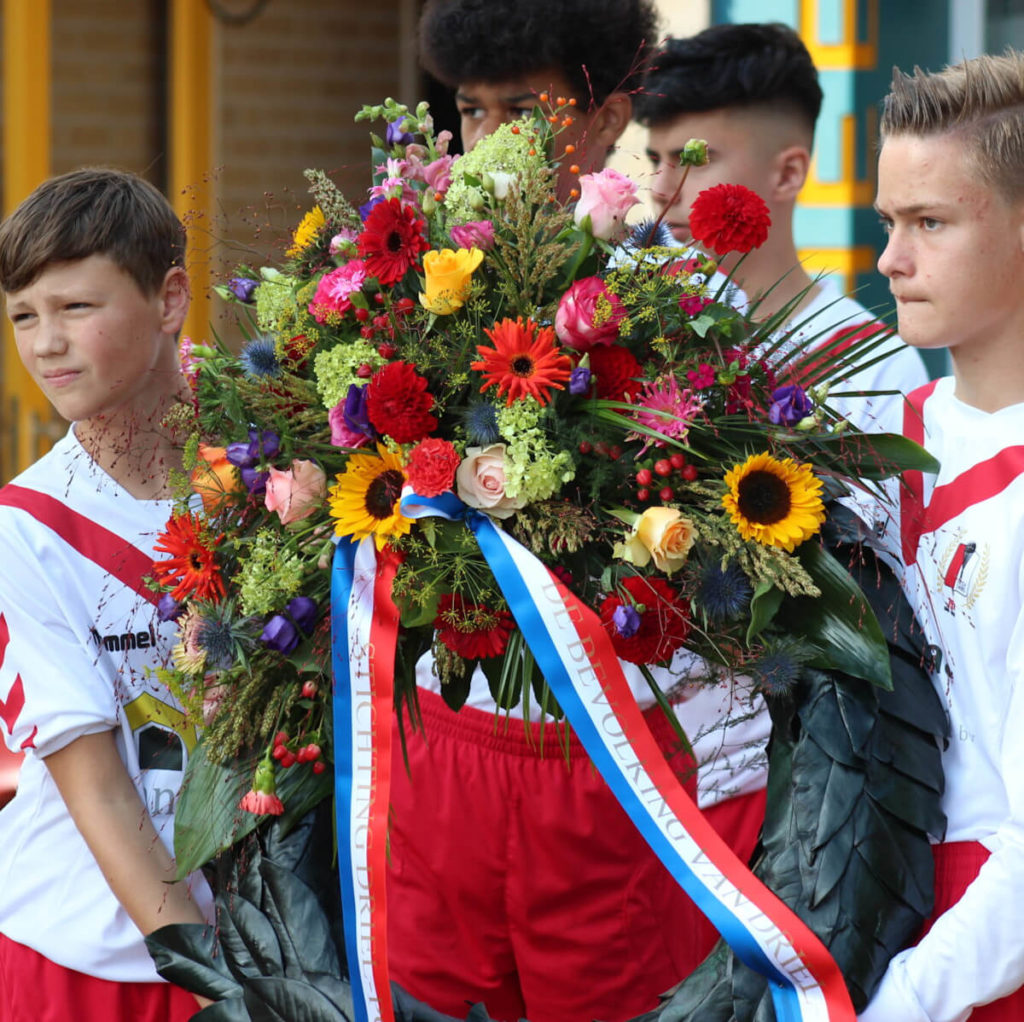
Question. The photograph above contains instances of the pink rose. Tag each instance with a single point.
(476, 234)
(296, 493)
(334, 291)
(480, 481)
(342, 435)
(606, 197)
(588, 314)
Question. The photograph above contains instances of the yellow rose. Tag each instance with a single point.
(448, 274)
(661, 533)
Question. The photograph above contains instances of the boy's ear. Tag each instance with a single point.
(610, 120)
(791, 166)
(174, 297)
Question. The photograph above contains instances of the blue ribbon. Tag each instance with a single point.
(342, 575)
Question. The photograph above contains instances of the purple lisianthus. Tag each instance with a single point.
(395, 135)
(355, 414)
(263, 443)
(579, 380)
(302, 611)
(238, 454)
(790, 404)
(243, 287)
(626, 620)
(255, 481)
(364, 209)
(168, 608)
(280, 634)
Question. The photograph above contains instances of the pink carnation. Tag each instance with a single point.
(335, 290)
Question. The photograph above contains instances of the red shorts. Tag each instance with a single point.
(518, 880)
(34, 989)
(956, 865)
(737, 821)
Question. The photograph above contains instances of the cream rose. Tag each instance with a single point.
(661, 533)
(480, 481)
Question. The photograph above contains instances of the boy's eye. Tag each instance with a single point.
(885, 223)
(471, 112)
(929, 223)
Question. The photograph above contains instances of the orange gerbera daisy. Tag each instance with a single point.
(524, 362)
(192, 567)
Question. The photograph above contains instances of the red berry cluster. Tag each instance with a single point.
(663, 469)
(601, 449)
(383, 323)
(288, 751)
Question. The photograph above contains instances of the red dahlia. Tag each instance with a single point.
(729, 218)
(398, 405)
(391, 241)
(471, 630)
(663, 620)
(430, 470)
(616, 371)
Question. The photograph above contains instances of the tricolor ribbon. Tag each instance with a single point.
(579, 663)
(364, 634)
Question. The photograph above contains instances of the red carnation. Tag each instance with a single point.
(729, 218)
(391, 241)
(431, 467)
(472, 630)
(616, 371)
(659, 626)
(398, 405)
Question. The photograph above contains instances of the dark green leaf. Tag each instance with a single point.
(289, 1000)
(764, 605)
(839, 622)
(184, 954)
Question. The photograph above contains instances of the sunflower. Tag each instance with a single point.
(524, 361)
(364, 500)
(305, 234)
(192, 567)
(775, 503)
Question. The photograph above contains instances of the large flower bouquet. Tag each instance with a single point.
(466, 348)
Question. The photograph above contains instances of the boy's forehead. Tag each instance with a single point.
(520, 89)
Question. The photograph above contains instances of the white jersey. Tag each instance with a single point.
(79, 644)
(960, 536)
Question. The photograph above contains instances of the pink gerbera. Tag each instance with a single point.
(662, 406)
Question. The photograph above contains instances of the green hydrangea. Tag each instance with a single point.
(276, 305)
(504, 152)
(533, 470)
(269, 576)
(336, 369)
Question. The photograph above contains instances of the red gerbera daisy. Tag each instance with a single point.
(192, 567)
(398, 405)
(729, 218)
(616, 371)
(471, 630)
(646, 619)
(391, 241)
(524, 362)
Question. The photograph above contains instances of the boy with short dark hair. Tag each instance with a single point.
(752, 92)
(951, 197)
(92, 267)
(536, 892)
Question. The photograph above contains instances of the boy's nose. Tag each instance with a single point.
(893, 260)
(48, 339)
(664, 183)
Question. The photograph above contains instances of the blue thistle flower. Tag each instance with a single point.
(216, 638)
(481, 422)
(650, 233)
(776, 672)
(724, 594)
(259, 357)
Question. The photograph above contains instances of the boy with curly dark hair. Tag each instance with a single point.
(522, 881)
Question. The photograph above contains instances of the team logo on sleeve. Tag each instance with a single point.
(962, 573)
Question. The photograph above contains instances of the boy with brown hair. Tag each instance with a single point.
(951, 198)
(92, 267)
